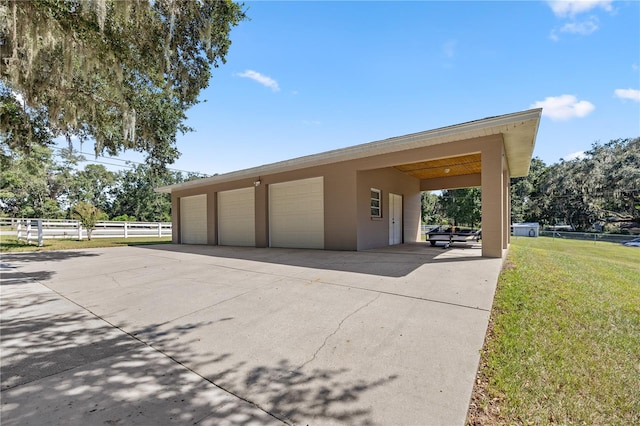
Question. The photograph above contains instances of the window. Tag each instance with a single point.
(376, 206)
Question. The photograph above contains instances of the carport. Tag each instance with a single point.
(367, 196)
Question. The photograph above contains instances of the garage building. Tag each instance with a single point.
(361, 197)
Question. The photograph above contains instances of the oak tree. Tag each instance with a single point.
(122, 73)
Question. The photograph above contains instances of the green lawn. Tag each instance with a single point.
(564, 338)
(11, 244)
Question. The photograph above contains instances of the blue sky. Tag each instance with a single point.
(307, 77)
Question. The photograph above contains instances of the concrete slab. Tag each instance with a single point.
(62, 365)
(386, 336)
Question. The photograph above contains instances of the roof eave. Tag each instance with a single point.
(519, 130)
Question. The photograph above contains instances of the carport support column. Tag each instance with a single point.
(493, 220)
(506, 207)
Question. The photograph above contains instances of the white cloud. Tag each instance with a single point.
(571, 8)
(574, 156)
(584, 28)
(262, 79)
(564, 107)
(634, 67)
(632, 94)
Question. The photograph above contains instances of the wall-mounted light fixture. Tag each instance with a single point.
(447, 170)
(257, 182)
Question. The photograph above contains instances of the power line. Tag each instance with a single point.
(124, 161)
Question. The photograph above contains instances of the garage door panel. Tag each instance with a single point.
(296, 214)
(193, 219)
(236, 217)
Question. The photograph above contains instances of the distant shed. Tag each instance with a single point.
(526, 229)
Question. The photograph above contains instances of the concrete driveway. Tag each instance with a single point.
(220, 335)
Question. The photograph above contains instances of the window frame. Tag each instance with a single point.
(372, 207)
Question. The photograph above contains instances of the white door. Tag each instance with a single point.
(395, 219)
(236, 217)
(296, 214)
(193, 219)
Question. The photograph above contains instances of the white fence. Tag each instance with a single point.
(589, 236)
(32, 230)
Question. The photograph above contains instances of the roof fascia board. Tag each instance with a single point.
(487, 126)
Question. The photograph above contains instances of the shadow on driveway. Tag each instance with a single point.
(63, 365)
(9, 272)
(393, 261)
(45, 256)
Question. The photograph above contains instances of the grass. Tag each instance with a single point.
(12, 245)
(564, 338)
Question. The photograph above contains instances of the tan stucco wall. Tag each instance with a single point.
(340, 209)
(175, 219)
(262, 215)
(348, 225)
(339, 204)
(374, 232)
(494, 182)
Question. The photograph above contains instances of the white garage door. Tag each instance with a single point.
(236, 217)
(296, 214)
(193, 219)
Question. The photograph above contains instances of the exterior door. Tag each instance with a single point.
(193, 219)
(395, 219)
(296, 213)
(236, 217)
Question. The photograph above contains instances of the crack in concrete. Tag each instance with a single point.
(315, 354)
(407, 296)
(207, 307)
(355, 287)
(218, 303)
(114, 279)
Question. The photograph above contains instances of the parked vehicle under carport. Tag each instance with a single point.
(452, 235)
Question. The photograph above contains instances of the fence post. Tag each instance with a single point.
(19, 231)
(79, 230)
(28, 231)
(126, 233)
(159, 229)
(40, 233)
